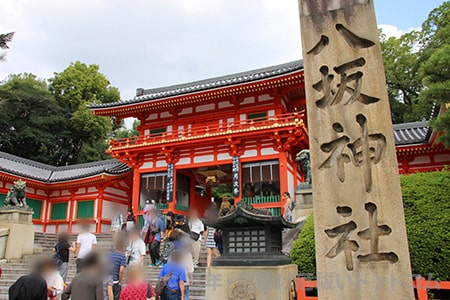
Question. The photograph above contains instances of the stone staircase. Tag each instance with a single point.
(44, 243)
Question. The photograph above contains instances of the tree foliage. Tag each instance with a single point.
(31, 121)
(5, 38)
(74, 89)
(417, 71)
(303, 252)
(427, 215)
(52, 123)
(124, 132)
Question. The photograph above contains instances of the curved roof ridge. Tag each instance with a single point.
(27, 168)
(143, 95)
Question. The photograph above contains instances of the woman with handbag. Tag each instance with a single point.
(153, 237)
(137, 288)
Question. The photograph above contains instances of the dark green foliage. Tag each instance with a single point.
(31, 122)
(303, 251)
(426, 200)
(4, 40)
(417, 71)
(74, 89)
(52, 124)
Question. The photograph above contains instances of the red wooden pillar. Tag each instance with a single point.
(421, 286)
(46, 215)
(100, 189)
(136, 190)
(71, 209)
(283, 176)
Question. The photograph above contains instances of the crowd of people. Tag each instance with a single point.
(171, 241)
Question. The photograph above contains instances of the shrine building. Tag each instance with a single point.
(240, 131)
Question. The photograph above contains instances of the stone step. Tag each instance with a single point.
(44, 243)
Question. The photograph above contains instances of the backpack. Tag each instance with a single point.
(293, 205)
(57, 257)
(169, 246)
(161, 284)
(218, 236)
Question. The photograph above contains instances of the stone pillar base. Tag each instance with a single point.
(304, 201)
(21, 231)
(250, 283)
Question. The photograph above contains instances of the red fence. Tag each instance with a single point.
(420, 284)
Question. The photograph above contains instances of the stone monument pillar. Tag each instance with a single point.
(20, 239)
(361, 243)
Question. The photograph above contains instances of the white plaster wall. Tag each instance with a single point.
(186, 110)
(223, 156)
(116, 192)
(420, 160)
(205, 107)
(265, 97)
(268, 151)
(442, 158)
(63, 228)
(41, 193)
(51, 229)
(225, 104)
(250, 153)
(152, 117)
(110, 209)
(92, 190)
(203, 158)
(290, 178)
(147, 165)
(248, 100)
(166, 114)
(105, 228)
(184, 161)
(161, 163)
(38, 228)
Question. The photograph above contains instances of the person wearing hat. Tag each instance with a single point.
(181, 225)
(131, 219)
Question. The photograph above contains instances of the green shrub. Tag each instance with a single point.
(426, 198)
(303, 251)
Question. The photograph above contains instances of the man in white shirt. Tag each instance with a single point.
(136, 248)
(86, 243)
(196, 226)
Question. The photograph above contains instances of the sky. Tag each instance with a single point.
(153, 43)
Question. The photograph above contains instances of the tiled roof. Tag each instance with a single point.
(143, 95)
(33, 170)
(412, 133)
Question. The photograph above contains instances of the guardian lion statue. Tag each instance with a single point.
(16, 195)
(305, 163)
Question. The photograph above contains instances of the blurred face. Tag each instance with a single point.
(193, 214)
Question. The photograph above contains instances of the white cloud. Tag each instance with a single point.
(391, 30)
(147, 44)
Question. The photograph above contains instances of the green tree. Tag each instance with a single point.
(124, 132)
(303, 252)
(31, 122)
(417, 71)
(403, 79)
(74, 89)
(435, 68)
(4, 40)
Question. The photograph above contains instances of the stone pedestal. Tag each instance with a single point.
(20, 240)
(304, 201)
(250, 283)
